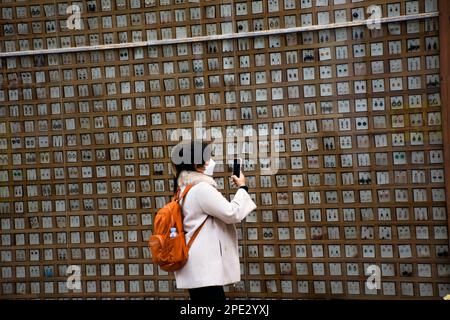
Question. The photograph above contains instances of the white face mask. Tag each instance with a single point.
(209, 169)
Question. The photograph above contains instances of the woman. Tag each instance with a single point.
(213, 257)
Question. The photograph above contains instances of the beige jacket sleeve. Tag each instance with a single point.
(212, 202)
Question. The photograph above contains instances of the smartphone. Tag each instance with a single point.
(237, 167)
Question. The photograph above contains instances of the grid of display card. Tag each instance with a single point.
(85, 139)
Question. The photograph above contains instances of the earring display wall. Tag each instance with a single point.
(105, 22)
(85, 139)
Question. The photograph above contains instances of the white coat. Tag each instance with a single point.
(213, 257)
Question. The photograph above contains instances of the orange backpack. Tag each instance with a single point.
(171, 254)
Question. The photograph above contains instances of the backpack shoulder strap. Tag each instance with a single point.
(185, 191)
(191, 240)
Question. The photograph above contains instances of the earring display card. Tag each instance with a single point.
(85, 139)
